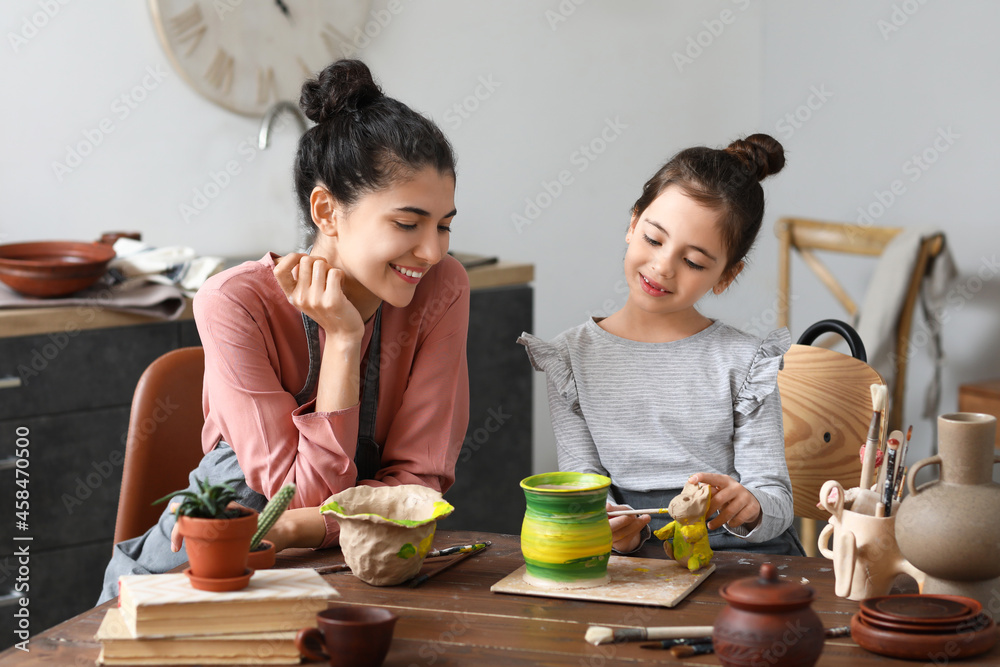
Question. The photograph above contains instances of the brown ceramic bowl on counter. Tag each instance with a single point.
(53, 268)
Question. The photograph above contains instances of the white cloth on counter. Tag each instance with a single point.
(879, 313)
(138, 262)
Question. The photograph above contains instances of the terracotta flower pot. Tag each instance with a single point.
(263, 557)
(218, 548)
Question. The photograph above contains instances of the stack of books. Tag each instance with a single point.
(162, 620)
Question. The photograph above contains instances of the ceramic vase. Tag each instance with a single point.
(866, 558)
(566, 536)
(386, 531)
(950, 527)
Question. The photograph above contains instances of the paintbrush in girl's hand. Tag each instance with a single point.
(599, 634)
(656, 510)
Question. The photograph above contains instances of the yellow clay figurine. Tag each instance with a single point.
(685, 539)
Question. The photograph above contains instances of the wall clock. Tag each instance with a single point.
(245, 55)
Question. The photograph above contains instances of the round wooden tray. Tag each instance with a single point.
(923, 646)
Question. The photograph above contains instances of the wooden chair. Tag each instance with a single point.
(806, 236)
(164, 438)
(826, 405)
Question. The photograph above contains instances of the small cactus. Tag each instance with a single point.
(271, 512)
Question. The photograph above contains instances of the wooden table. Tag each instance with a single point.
(454, 619)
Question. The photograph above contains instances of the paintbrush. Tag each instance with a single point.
(421, 578)
(901, 464)
(433, 553)
(829, 633)
(670, 643)
(688, 650)
(879, 394)
(656, 510)
(599, 634)
(889, 489)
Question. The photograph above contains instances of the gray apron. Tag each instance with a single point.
(150, 553)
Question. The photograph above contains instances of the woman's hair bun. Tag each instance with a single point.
(761, 153)
(345, 86)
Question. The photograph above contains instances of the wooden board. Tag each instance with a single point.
(650, 581)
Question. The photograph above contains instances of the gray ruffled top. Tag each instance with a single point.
(649, 415)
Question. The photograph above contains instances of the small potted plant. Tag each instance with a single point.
(217, 534)
(262, 551)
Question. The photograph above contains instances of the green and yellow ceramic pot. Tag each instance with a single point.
(566, 537)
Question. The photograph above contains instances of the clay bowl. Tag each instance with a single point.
(959, 643)
(920, 610)
(386, 531)
(53, 268)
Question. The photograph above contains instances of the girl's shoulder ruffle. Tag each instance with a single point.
(762, 376)
(552, 359)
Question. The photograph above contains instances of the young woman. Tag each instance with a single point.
(657, 394)
(344, 365)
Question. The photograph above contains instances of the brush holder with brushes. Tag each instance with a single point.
(866, 558)
(566, 536)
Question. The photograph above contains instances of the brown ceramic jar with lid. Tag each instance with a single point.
(767, 621)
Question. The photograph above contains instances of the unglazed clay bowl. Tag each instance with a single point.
(53, 268)
(386, 531)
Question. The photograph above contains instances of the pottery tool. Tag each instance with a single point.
(433, 553)
(599, 634)
(889, 489)
(879, 395)
(657, 510)
(421, 578)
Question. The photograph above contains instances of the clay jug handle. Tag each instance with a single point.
(837, 508)
(912, 474)
(824, 541)
(310, 643)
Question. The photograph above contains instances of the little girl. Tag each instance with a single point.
(657, 394)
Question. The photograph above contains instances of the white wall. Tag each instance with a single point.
(554, 86)
(898, 77)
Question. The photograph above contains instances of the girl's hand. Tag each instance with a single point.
(626, 531)
(736, 505)
(317, 289)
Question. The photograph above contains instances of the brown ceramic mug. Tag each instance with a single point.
(348, 636)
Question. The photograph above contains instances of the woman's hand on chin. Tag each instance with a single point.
(317, 289)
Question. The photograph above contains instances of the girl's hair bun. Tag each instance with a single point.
(761, 153)
(345, 86)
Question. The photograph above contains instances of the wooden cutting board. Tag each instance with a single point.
(650, 581)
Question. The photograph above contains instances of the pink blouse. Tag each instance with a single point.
(257, 359)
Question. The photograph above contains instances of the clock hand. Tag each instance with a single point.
(284, 8)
